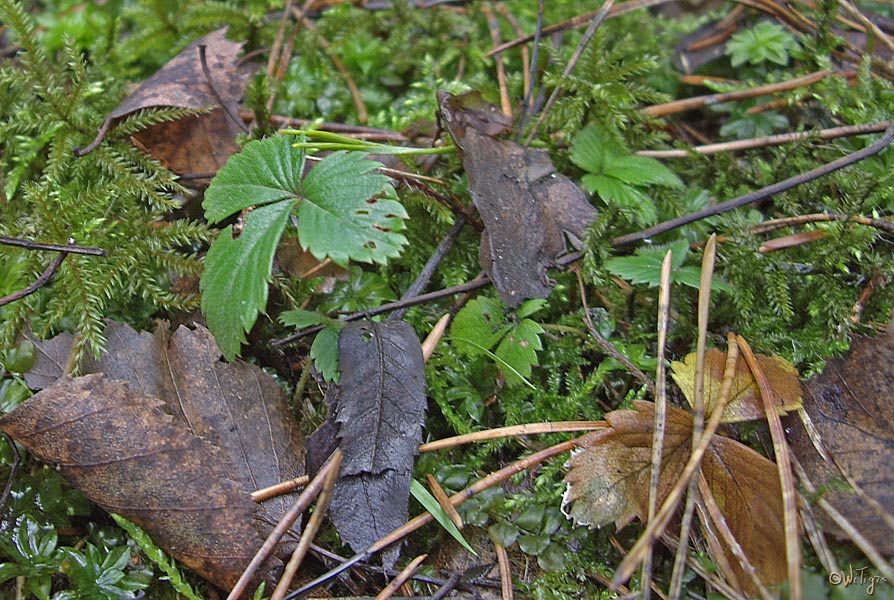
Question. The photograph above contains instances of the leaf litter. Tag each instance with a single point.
(609, 482)
(166, 399)
(198, 144)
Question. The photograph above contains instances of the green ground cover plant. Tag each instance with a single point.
(174, 251)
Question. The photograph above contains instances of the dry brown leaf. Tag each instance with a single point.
(745, 402)
(528, 208)
(850, 405)
(193, 145)
(609, 482)
(234, 407)
(126, 454)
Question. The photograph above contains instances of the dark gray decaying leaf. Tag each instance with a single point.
(379, 409)
(527, 207)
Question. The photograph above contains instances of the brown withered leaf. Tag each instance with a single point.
(851, 408)
(528, 209)
(235, 406)
(745, 403)
(198, 144)
(126, 454)
(609, 482)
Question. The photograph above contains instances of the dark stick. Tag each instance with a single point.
(208, 79)
(757, 195)
(429, 269)
(38, 283)
(475, 284)
(68, 249)
(624, 240)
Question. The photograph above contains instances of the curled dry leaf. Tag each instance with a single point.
(239, 413)
(527, 207)
(197, 144)
(608, 481)
(744, 403)
(850, 406)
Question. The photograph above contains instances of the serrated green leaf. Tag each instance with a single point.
(615, 192)
(529, 307)
(234, 283)
(265, 171)
(636, 269)
(519, 350)
(588, 149)
(430, 504)
(641, 170)
(480, 321)
(301, 318)
(349, 213)
(324, 352)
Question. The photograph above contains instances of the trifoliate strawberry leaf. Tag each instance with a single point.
(234, 283)
(482, 324)
(265, 171)
(349, 212)
(519, 350)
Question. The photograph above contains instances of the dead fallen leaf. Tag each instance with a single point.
(379, 410)
(126, 454)
(193, 145)
(851, 408)
(608, 481)
(235, 407)
(527, 207)
(745, 402)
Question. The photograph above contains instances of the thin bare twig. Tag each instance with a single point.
(770, 140)
(66, 248)
(475, 284)
(669, 108)
(38, 283)
(760, 194)
(301, 503)
(572, 62)
(310, 530)
(425, 274)
(489, 481)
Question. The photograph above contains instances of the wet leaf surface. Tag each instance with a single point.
(528, 209)
(198, 144)
(125, 453)
(745, 402)
(609, 482)
(850, 406)
(379, 411)
(234, 408)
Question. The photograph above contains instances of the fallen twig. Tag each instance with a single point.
(38, 283)
(425, 518)
(669, 108)
(770, 140)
